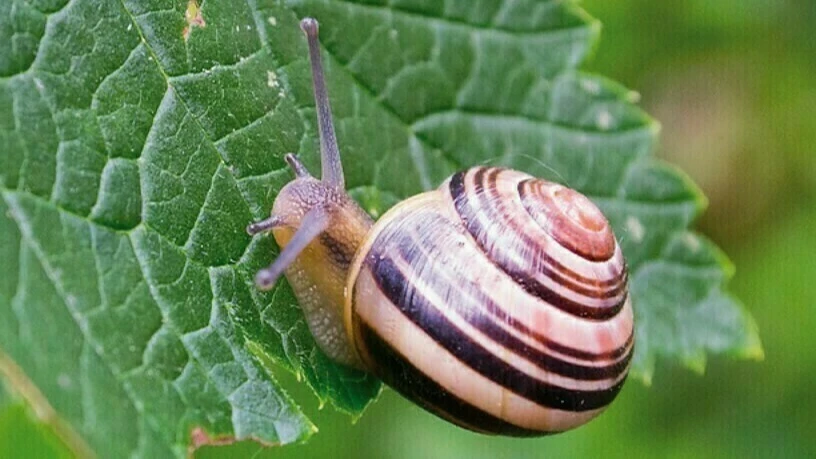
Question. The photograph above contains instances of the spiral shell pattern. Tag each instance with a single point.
(498, 302)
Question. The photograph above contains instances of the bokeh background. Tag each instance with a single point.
(733, 83)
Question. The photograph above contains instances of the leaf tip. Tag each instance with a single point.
(695, 363)
(752, 350)
(355, 417)
(632, 96)
(644, 376)
(594, 27)
(654, 126)
(694, 191)
(755, 353)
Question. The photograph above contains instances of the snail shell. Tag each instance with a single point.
(498, 301)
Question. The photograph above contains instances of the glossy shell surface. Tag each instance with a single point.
(498, 302)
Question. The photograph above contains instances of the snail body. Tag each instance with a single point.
(498, 301)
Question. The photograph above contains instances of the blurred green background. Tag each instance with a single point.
(733, 83)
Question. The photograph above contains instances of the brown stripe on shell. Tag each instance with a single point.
(369, 305)
(500, 316)
(543, 262)
(396, 371)
(462, 204)
(415, 307)
(417, 255)
(486, 183)
(571, 219)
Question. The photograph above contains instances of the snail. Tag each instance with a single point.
(497, 301)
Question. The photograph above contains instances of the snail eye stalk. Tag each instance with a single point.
(332, 168)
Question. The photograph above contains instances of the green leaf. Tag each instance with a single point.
(137, 140)
(5, 398)
(21, 436)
